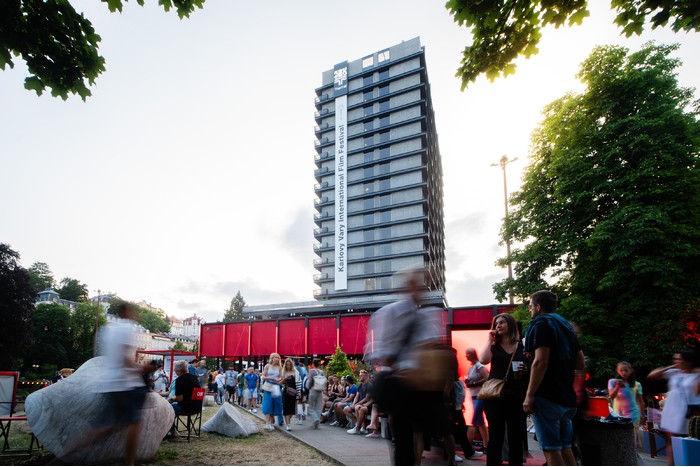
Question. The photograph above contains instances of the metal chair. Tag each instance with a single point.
(190, 422)
(8, 404)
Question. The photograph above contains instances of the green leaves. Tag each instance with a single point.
(608, 214)
(503, 30)
(58, 44)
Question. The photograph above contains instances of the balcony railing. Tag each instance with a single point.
(321, 112)
(321, 215)
(322, 141)
(320, 246)
(321, 98)
(319, 128)
(318, 261)
(322, 170)
(321, 200)
(320, 186)
(320, 231)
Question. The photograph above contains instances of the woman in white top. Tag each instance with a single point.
(271, 383)
(683, 388)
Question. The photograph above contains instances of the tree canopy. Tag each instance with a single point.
(608, 215)
(234, 313)
(503, 30)
(16, 308)
(52, 338)
(59, 44)
(40, 277)
(83, 321)
(73, 290)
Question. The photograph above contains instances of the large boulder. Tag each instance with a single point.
(229, 421)
(66, 413)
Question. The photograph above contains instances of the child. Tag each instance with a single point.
(626, 394)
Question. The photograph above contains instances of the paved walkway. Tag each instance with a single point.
(347, 449)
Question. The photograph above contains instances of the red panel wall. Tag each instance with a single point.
(236, 344)
(263, 338)
(353, 333)
(322, 336)
(292, 337)
(211, 343)
(472, 315)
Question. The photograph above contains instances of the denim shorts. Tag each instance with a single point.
(478, 416)
(553, 424)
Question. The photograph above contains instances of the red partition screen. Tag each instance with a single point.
(472, 315)
(353, 333)
(322, 336)
(211, 343)
(263, 338)
(291, 339)
(236, 344)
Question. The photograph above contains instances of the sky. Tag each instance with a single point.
(188, 175)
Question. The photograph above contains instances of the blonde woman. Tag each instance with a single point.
(271, 384)
(291, 391)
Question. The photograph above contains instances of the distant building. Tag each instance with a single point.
(176, 326)
(51, 296)
(192, 326)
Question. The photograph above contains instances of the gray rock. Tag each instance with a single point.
(63, 415)
(229, 421)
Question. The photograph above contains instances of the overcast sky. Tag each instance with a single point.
(188, 175)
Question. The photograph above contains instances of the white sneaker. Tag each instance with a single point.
(352, 431)
(289, 428)
(299, 422)
(335, 423)
(255, 410)
(363, 431)
(458, 459)
(476, 454)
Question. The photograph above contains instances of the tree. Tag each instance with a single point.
(16, 308)
(234, 313)
(73, 290)
(82, 324)
(153, 321)
(40, 277)
(178, 346)
(338, 364)
(52, 339)
(501, 31)
(59, 45)
(608, 215)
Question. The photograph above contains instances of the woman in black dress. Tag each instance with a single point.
(505, 413)
(291, 391)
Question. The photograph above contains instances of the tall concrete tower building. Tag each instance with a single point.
(379, 177)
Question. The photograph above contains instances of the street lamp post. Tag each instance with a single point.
(97, 323)
(502, 164)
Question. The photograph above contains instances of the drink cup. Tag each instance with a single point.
(518, 367)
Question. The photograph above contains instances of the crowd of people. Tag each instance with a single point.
(515, 375)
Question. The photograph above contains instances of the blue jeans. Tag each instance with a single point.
(553, 424)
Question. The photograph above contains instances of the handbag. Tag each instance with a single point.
(493, 388)
(268, 386)
(290, 391)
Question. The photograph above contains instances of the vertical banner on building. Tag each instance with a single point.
(340, 91)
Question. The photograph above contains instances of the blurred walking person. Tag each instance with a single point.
(122, 385)
(316, 382)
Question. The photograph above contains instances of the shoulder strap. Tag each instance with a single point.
(510, 363)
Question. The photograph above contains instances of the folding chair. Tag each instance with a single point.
(653, 419)
(8, 404)
(191, 421)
